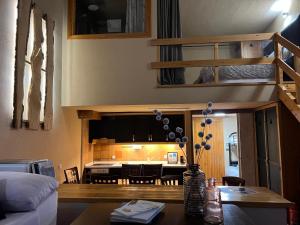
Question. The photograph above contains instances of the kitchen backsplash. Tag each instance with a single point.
(134, 152)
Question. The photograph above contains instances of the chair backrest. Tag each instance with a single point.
(170, 180)
(131, 170)
(152, 170)
(233, 181)
(72, 176)
(104, 179)
(142, 179)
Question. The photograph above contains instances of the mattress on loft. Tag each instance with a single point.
(235, 73)
(44, 214)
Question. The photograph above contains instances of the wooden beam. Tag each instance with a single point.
(23, 20)
(89, 115)
(211, 62)
(189, 133)
(290, 103)
(37, 57)
(48, 113)
(213, 39)
(287, 44)
(289, 71)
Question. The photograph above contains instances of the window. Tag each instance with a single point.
(109, 18)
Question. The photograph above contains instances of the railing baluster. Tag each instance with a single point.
(216, 56)
(278, 55)
(297, 69)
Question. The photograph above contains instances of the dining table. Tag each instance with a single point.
(261, 205)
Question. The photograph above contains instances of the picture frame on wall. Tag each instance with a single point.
(172, 157)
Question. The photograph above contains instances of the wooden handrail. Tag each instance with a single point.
(212, 39)
(287, 44)
(288, 70)
(213, 62)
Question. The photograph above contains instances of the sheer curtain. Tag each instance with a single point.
(135, 16)
(169, 26)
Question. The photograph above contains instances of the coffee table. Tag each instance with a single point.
(173, 214)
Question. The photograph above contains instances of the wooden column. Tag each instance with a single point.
(189, 133)
(247, 148)
(297, 69)
(278, 55)
(86, 147)
(216, 56)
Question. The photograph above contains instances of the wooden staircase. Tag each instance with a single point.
(288, 93)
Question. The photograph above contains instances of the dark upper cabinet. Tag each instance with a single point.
(135, 128)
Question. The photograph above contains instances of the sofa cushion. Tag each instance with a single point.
(20, 192)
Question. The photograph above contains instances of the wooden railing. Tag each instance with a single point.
(214, 42)
(285, 94)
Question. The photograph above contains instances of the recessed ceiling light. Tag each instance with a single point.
(93, 7)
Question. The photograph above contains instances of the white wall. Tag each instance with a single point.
(62, 143)
(281, 22)
(117, 72)
(230, 126)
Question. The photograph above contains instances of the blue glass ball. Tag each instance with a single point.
(166, 127)
(177, 140)
(197, 146)
(202, 124)
(155, 111)
(209, 104)
(172, 135)
(209, 111)
(207, 137)
(208, 121)
(204, 112)
(210, 135)
(179, 130)
(207, 147)
(181, 145)
(203, 143)
(185, 139)
(201, 134)
(158, 118)
(159, 113)
(166, 121)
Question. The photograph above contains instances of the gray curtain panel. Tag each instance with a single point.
(169, 26)
(135, 16)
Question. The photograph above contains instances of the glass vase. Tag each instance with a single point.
(194, 191)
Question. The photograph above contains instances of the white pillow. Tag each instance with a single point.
(20, 192)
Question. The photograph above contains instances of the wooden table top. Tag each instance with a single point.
(99, 213)
(92, 193)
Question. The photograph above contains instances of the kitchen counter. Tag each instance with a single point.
(118, 164)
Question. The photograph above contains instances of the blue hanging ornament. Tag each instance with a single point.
(166, 121)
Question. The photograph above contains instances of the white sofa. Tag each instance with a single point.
(28, 199)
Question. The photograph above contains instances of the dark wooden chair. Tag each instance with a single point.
(99, 179)
(130, 170)
(142, 179)
(170, 180)
(72, 176)
(152, 170)
(233, 181)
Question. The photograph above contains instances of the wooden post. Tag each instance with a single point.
(297, 69)
(189, 133)
(216, 56)
(278, 55)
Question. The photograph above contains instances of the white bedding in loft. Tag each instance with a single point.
(45, 214)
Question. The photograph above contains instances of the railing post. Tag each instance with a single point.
(216, 56)
(278, 55)
(297, 69)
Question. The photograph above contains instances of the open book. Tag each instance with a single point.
(137, 211)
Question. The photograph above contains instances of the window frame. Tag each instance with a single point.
(72, 24)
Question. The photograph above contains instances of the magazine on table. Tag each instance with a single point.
(137, 211)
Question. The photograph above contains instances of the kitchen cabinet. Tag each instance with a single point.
(135, 128)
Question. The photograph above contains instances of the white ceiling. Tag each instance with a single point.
(221, 17)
